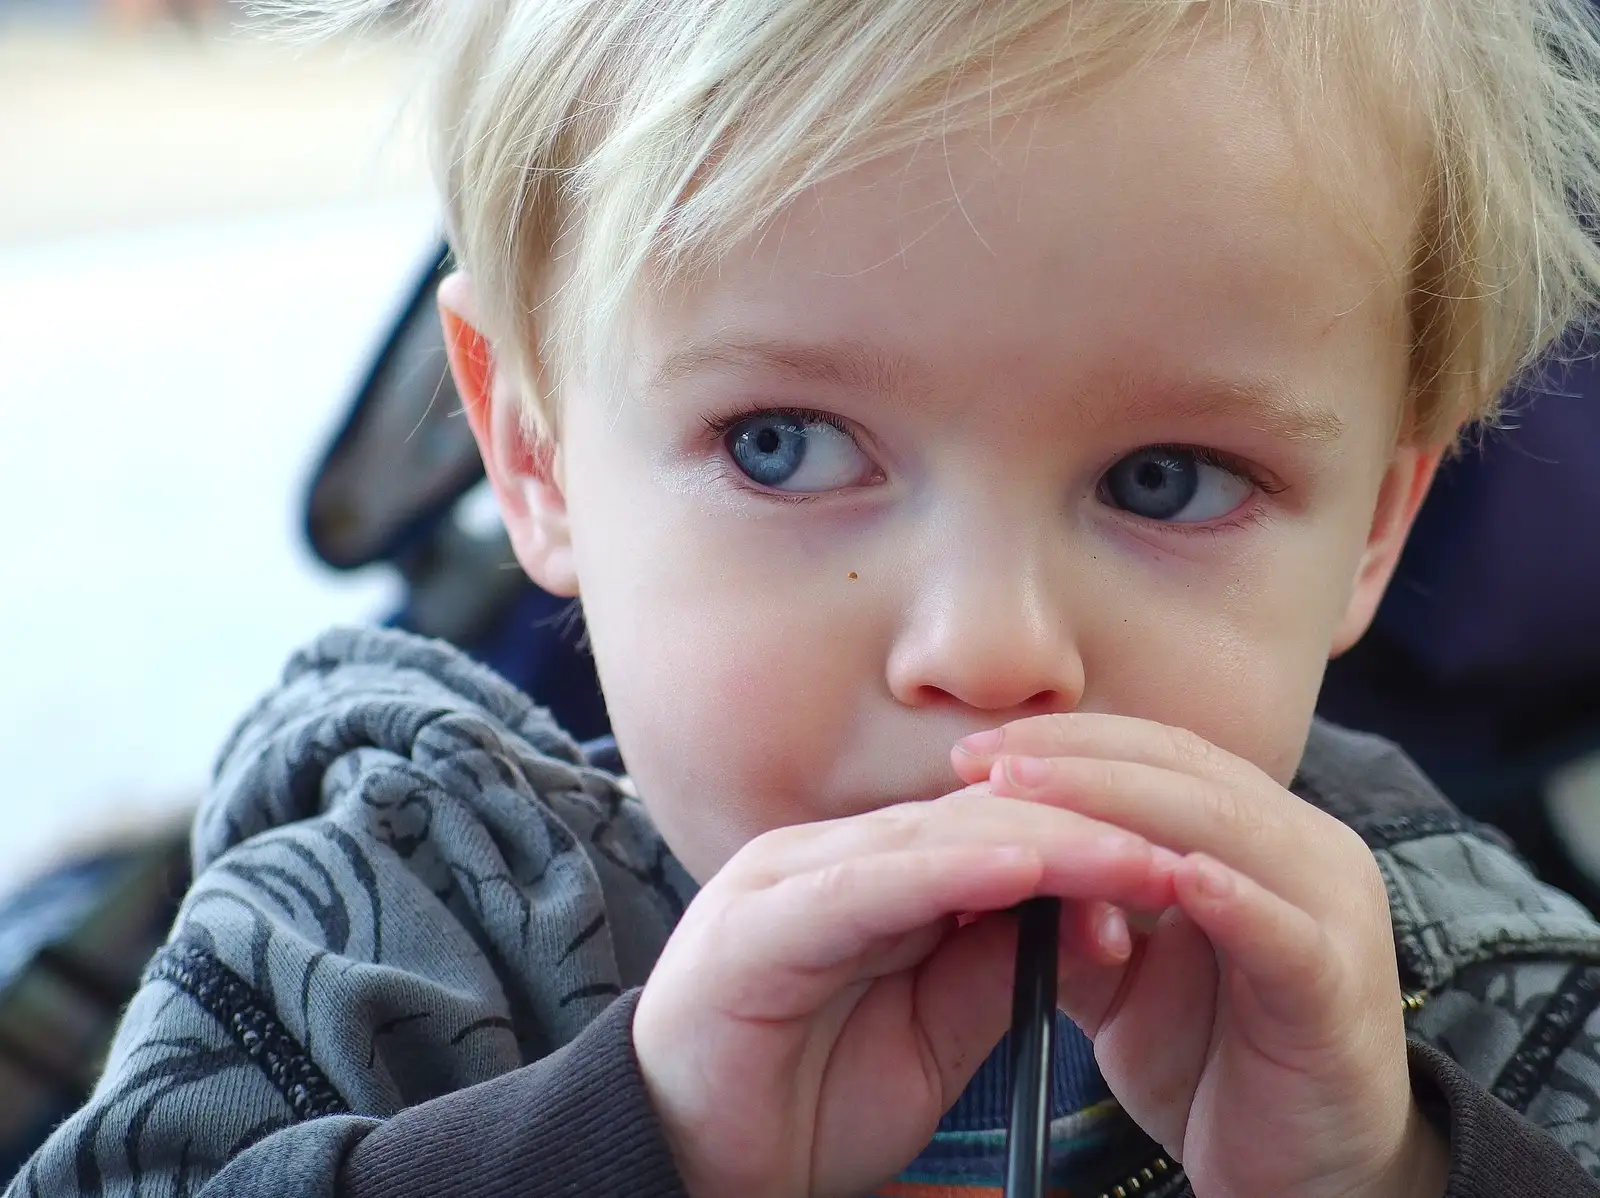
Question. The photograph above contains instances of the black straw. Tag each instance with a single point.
(1033, 1025)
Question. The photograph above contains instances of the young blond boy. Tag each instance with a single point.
(970, 428)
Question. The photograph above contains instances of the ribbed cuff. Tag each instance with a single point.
(576, 1122)
(1494, 1152)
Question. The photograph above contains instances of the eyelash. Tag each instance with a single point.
(719, 426)
(1213, 457)
(1246, 515)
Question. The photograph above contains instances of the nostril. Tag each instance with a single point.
(995, 703)
(1000, 680)
(935, 696)
(1050, 702)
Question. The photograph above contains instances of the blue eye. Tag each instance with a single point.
(792, 452)
(1178, 486)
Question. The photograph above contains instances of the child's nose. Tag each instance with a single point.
(993, 644)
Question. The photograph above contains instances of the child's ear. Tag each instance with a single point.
(524, 474)
(1405, 485)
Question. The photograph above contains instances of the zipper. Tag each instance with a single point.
(1162, 1168)
(1159, 1169)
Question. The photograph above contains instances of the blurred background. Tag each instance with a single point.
(204, 235)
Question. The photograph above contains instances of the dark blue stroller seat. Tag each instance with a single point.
(1484, 659)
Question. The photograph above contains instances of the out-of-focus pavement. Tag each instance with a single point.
(200, 241)
(102, 132)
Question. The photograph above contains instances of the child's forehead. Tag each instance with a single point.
(1067, 248)
(1201, 142)
(1160, 137)
(1186, 173)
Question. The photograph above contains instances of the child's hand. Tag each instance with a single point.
(1256, 1032)
(818, 1008)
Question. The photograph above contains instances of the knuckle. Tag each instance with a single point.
(1192, 752)
(706, 943)
(1377, 885)
(1328, 972)
(719, 925)
(1357, 861)
(764, 859)
(769, 846)
(903, 825)
(1355, 848)
(775, 840)
(1245, 820)
(832, 887)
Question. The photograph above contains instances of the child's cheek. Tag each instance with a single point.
(1248, 690)
(728, 716)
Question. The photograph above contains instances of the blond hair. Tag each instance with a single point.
(619, 136)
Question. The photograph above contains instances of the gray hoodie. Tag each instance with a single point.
(409, 961)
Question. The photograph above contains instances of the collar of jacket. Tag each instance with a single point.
(1458, 893)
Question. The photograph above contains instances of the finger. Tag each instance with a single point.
(1096, 947)
(1169, 985)
(1259, 831)
(785, 949)
(822, 929)
(1283, 955)
(963, 999)
(972, 768)
(964, 989)
(1076, 850)
(948, 1015)
(1088, 986)
(1096, 933)
(1101, 737)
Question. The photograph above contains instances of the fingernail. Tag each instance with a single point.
(981, 744)
(1115, 939)
(1215, 880)
(1026, 771)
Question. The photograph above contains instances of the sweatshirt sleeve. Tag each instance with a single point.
(577, 1122)
(1493, 1150)
(405, 957)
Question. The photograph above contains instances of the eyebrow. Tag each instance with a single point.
(848, 364)
(1266, 405)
